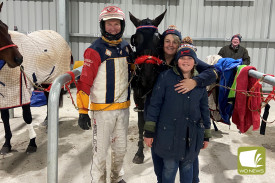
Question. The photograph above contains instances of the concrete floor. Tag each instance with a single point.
(218, 163)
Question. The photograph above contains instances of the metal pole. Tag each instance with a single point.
(53, 108)
(267, 79)
(63, 20)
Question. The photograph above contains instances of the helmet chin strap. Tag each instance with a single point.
(112, 37)
(113, 42)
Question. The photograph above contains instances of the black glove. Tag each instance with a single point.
(84, 121)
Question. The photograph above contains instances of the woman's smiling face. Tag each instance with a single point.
(170, 45)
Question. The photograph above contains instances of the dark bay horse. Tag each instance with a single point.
(146, 40)
(46, 56)
(10, 55)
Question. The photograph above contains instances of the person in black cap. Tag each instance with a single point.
(235, 50)
(180, 122)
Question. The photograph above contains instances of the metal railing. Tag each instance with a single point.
(267, 79)
(53, 116)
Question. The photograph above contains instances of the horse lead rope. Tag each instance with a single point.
(250, 94)
(33, 84)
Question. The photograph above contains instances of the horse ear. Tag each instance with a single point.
(135, 20)
(1, 6)
(157, 20)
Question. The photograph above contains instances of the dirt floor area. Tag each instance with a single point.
(218, 163)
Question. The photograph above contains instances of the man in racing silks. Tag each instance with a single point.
(105, 76)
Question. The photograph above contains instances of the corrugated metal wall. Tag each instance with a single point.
(29, 16)
(210, 23)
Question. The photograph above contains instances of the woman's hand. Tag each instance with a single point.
(205, 144)
(185, 86)
(148, 141)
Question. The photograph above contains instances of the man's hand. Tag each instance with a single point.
(148, 141)
(84, 121)
(185, 86)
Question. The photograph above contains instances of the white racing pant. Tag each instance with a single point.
(109, 128)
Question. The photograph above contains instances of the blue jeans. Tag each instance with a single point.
(158, 165)
(196, 171)
(170, 168)
(158, 168)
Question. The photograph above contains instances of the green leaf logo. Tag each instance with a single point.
(251, 160)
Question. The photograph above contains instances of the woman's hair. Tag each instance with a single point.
(177, 39)
(193, 71)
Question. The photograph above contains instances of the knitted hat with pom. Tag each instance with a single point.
(172, 29)
(186, 50)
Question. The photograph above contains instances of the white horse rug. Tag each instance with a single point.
(46, 55)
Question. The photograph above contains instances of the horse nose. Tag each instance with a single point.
(18, 61)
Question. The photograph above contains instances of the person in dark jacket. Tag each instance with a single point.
(235, 50)
(179, 123)
(171, 42)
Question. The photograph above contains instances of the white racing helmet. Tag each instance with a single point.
(111, 12)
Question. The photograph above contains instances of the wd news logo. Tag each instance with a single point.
(251, 160)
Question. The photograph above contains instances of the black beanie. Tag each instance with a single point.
(186, 50)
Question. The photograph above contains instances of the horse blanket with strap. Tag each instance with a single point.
(46, 55)
(13, 88)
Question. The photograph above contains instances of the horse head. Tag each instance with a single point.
(8, 50)
(147, 43)
(147, 38)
